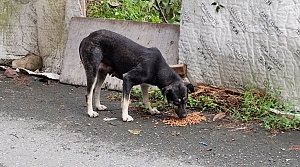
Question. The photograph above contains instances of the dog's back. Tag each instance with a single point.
(119, 52)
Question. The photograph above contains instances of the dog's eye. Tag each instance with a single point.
(177, 102)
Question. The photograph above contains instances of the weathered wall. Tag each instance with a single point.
(249, 42)
(163, 36)
(36, 26)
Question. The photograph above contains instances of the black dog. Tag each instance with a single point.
(105, 52)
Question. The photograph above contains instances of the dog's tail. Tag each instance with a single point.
(80, 49)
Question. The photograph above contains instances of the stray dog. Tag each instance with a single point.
(105, 52)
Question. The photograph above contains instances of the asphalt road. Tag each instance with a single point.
(46, 125)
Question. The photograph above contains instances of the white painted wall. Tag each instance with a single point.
(249, 42)
(36, 26)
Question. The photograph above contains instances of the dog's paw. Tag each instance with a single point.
(127, 118)
(153, 111)
(93, 114)
(101, 107)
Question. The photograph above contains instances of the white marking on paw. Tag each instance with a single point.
(153, 111)
(93, 114)
(127, 118)
(101, 107)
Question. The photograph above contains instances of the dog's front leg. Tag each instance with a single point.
(127, 85)
(144, 88)
(125, 116)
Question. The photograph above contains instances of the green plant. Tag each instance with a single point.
(257, 105)
(157, 11)
(192, 102)
(137, 10)
(156, 98)
(169, 10)
(202, 102)
(115, 96)
(206, 102)
(281, 122)
(158, 101)
(136, 93)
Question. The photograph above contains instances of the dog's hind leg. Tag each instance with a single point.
(91, 83)
(100, 79)
(144, 88)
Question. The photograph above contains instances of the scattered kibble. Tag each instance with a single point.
(191, 119)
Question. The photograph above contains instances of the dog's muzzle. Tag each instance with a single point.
(181, 111)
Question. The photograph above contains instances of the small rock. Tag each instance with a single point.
(30, 62)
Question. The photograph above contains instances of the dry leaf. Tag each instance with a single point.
(10, 73)
(294, 147)
(135, 131)
(219, 116)
(114, 4)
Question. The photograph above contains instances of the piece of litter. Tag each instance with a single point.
(203, 143)
(52, 76)
(135, 131)
(108, 119)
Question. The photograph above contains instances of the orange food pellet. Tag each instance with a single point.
(191, 119)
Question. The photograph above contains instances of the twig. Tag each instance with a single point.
(162, 13)
(14, 135)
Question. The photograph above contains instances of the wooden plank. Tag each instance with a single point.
(180, 69)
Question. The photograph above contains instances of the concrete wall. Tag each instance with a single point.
(36, 26)
(249, 42)
(163, 36)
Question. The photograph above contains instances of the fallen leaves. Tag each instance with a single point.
(19, 79)
(219, 116)
(22, 80)
(224, 96)
(294, 148)
(10, 73)
(135, 131)
(191, 119)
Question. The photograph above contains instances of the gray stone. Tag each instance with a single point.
(30, 61)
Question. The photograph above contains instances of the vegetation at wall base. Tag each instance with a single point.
(247, 106)
(157, 11)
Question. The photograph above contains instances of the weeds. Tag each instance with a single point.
(157, 11)
(257, 105)
(254, 105)
(124, 10)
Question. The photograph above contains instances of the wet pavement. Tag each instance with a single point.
(45, 124)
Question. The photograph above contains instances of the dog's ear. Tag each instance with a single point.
(190, 87)
(166, 90)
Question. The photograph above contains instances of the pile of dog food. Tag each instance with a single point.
(191, 119)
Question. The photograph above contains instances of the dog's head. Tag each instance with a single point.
(178, 95)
